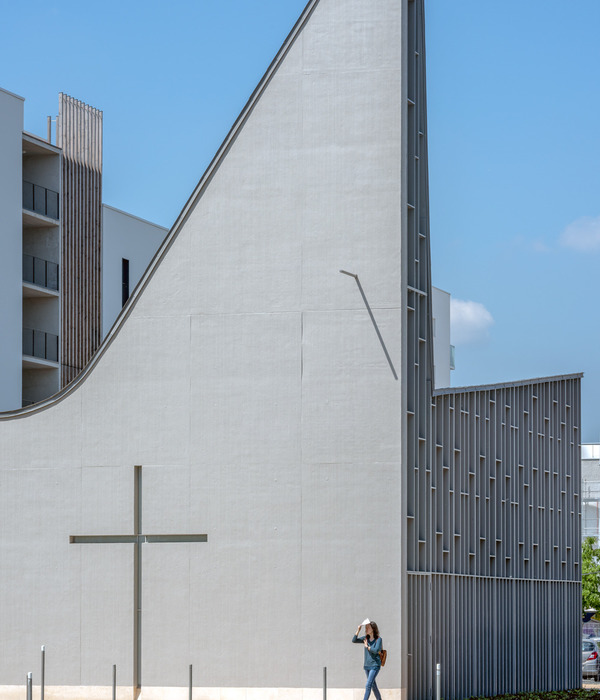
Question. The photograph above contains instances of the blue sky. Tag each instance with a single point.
(514, 145)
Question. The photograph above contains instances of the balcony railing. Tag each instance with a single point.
(41, 272)
(40, 200)
(40, 344)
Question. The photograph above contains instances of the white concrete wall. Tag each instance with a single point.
(249, 383)
(38, 383)
(41, 314)
(440, 303)
(11, 257)
(124, 236)
(43, 242)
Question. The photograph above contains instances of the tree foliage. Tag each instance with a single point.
(590, 585)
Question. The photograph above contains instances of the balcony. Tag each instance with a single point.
(40, 200)
(41, 346)
(41, 273)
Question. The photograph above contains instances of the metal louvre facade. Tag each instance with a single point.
(494, 542)
(492, 636)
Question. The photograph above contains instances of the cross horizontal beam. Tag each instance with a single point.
(134, 539)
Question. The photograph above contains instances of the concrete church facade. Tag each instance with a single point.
(255, 458)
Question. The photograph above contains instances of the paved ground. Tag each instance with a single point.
(589, 683)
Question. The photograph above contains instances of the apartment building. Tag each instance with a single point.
(60, 289)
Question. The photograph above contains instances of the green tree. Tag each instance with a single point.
(590, 585)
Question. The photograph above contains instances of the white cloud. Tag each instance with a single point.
(470, 322)
(583, 234)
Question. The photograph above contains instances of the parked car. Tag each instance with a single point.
(590, 659)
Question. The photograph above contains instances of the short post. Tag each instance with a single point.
(29, 685)
(190, 681)
(438, 681)
(324, 682)
(114, 683)
(43, 672)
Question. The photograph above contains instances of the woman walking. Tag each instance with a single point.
(373, 645)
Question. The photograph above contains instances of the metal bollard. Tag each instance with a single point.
(324, 682)
(29, 685)
(438, 681)
(43, 672)
(190, 681)
(114, 683)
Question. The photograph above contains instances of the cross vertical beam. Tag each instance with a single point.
(137, 538)
(137, 583)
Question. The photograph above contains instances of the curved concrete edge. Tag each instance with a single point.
(177, 226)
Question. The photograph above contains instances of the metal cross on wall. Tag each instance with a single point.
(137, 539)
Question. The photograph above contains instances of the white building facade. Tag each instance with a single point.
(128, 245)
(590, 490)
(443, 351)
(257, 458)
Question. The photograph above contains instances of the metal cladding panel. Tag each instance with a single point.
(493, 636)
(419, 348)
(496, 542)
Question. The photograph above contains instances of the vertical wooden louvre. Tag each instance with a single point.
(79, 134)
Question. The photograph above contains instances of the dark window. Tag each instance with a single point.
(39, 272)
(52, 204)
(28, 196)
(52, 275)
(28, 268)
(28, 343)
(39, 344)
(125, 280)
(39, 200)
(52, 347)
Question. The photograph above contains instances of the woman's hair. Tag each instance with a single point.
(375, 629)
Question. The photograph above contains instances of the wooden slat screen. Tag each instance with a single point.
(79, 134)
